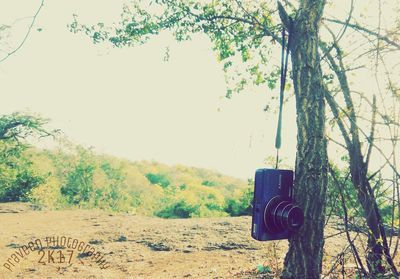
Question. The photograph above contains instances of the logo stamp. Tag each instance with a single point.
(56, 250)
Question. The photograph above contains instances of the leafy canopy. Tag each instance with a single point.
(237, 32)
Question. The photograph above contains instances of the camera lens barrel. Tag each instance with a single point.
(282, 214)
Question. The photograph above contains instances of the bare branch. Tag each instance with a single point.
(372, 133)
(346, 224)
(363, 29)
(26, 35)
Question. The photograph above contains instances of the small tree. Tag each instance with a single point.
(79, 183)
(17, 177)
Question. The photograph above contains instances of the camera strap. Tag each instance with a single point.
(284, 65)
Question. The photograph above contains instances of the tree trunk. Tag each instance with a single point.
(377, 241)
(304, 258)
(367, 200)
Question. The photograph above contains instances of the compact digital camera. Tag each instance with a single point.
(275, 215)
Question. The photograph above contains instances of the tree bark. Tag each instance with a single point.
(304, 258)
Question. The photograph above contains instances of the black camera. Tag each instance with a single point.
(275, 215)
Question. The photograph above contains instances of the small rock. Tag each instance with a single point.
(122, 238)
(95, 241)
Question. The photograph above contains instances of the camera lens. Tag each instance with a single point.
(293, 218)
(281, 214)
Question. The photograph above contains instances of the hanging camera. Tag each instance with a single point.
(275, 215)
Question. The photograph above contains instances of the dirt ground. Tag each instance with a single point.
(127, 246)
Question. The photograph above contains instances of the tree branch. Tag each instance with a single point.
(286, 20)
(26, 35)
(363, 29)
(372, 133)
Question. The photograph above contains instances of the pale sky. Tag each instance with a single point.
(128, 102)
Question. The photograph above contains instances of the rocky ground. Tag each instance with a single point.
(127, 246)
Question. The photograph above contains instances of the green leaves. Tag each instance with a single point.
(17, 176)
(263, 269)
(89, 182)
(159, 179)
(241, 203)
(235, 29)
(18, 126)
(79, 184)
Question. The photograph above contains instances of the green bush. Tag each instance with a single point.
(79, 185)
(159, 179)
(80, 178)
(17, 175)
(242, 205)
(18, 178)
(180, 209)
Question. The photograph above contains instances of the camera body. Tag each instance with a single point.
(275, 215)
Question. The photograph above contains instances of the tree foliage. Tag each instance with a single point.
(80, 178)
(236, 31)
(17, 176)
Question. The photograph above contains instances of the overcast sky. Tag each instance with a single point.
(129, 102)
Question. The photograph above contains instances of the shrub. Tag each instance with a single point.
(242, 204)
(79, 184)
(179, 209)
(18, 177)
(159, 179)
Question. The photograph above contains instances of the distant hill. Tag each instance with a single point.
(77, 177)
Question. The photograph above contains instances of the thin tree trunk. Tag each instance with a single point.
(304, 258)
(377, 242)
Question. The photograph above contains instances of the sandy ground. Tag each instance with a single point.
(127, 246)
